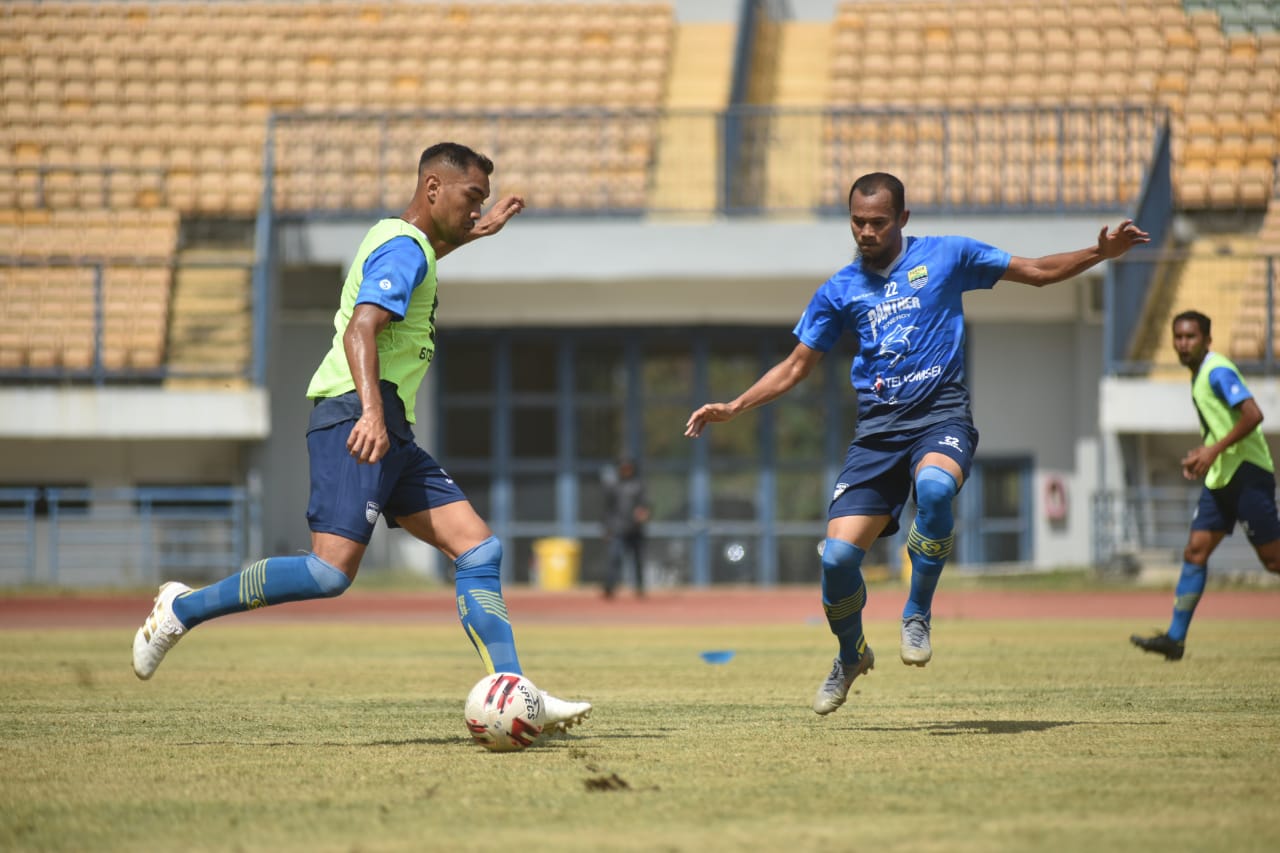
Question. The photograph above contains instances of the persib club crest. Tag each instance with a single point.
(918, 277)
(371, 510)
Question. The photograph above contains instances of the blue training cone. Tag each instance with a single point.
(718, 656)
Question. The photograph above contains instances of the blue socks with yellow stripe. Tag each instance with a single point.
(1187, 594)
(844, 594)
(930, 539)
(275, 580)
(305, 576)
(478, 586)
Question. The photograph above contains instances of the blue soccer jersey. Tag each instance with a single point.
(909, 320)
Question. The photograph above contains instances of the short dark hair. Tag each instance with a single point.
(456, 155)
(872, 183)
(1196, 317)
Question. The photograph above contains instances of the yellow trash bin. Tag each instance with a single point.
(556, 560)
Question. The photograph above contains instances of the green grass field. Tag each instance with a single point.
(1019, 736)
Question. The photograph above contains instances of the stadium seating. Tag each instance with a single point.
(163, 104)
(160, 108)
(1241, 16)
(171, 98)
(51, 289)
(1220, 83)
(1248, 336)
(155, 110)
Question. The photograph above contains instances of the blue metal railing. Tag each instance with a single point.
(121, 536)
(18, 531)
(1130, 525)
(994, 157)
(92, 186)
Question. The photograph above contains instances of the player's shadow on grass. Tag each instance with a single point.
(978, 727)
(417, 741)
(552, 741)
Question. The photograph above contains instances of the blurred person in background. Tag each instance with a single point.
(1239, 477)
(626, 516)
(901, 299)
(364, 460)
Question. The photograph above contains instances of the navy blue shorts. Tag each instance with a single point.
(878, 472)
(347, 497)
(1249, 498)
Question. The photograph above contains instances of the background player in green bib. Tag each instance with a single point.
(363, 458)
(1239, 476)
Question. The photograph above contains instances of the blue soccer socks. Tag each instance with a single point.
(483, 611)
(844, 594)
(928, 556)
(275, 580)
(1186, 596)
(931, 538)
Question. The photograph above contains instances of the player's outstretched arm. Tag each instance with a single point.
(1051, 269)
(780, 379)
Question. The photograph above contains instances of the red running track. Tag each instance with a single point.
(715, 606)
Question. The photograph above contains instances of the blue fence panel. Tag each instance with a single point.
(18, 534)
(121, 537)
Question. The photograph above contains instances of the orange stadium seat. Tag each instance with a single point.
(136, 64)
(1095, 53)
(137, 106)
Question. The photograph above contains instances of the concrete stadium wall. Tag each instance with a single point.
(1035, 394)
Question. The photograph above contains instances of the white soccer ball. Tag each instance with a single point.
(504, 712)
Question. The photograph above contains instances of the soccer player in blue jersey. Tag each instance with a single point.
(1239, 476)
(363, 457)
(901, 299)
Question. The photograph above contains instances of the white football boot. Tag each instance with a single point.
(560, 716)
(916, 649)
(159, 633)
(835, 689)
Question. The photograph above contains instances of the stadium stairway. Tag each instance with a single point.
(801, 76)
(1211, 277)
(211, 326)
(1248, 339)
(686, 175)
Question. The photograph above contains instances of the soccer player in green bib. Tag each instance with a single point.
(1235, 464)
(364, 461)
